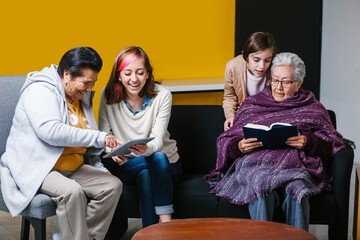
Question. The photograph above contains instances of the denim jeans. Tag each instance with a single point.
(297, 214)
(155, 177)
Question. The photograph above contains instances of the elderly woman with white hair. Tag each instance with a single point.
(247, 173)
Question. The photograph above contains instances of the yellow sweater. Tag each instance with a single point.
(73, 157)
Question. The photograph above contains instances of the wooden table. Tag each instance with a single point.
(221, 229)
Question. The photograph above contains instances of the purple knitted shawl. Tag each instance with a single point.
(241, 177)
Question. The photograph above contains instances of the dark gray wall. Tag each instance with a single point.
(296, 26)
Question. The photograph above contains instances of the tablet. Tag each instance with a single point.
(123, 149)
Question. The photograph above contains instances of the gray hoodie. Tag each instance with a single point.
(39, 133)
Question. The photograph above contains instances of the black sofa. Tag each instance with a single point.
(196, 128)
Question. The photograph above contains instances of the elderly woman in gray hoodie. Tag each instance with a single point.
(54, 148)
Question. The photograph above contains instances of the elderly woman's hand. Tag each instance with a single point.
(119, 159)
(298, 142)
(247, 145)
(111, 141)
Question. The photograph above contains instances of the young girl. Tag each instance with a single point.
(247, 74)
(132, 106)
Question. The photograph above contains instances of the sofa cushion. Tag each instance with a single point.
(41, 206)
(129, 205)
(192, 198)
(227, 209)
(320, 205)
(195, 129)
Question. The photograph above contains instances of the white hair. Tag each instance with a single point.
(290, 59)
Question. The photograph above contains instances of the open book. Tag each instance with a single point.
(123, 149)
(271, 137)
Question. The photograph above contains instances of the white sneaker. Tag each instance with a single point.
(57, 236)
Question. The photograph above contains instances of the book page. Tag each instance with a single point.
(280, 124)
(257, 126)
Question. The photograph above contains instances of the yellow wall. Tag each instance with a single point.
(200, 98)
(184, 39)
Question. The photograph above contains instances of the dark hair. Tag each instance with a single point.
(77, 59)
(258, 41)
(114, 90)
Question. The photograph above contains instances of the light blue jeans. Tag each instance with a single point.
(297, 214)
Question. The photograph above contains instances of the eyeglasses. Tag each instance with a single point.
(285, 83)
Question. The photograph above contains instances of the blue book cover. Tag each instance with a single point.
(271, 137)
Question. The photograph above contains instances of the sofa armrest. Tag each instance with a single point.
(342, 168)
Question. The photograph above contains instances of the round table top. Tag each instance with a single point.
(222, 228)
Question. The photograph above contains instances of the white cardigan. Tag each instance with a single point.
(152, 122)
(38, 135)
